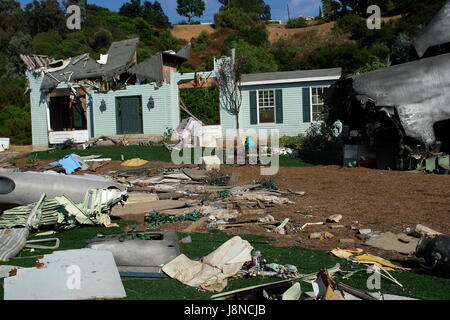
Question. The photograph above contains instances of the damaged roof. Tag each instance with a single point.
(120, 56)
(436, 33)
(152, 68)
(291, 76)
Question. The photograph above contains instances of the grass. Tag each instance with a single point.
(153, 153)
(308, 261)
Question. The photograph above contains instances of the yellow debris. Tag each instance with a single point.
(345, 254)
(380, 262)
(136, 162)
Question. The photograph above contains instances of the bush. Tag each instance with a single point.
(321, 137)
(256, 35)
(299, 22)
(292, 142)
(202, 42)
(202, 103)
(257, 59)
(322, 145)
(15, 123)
(235, 18)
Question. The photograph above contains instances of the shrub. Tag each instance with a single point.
(235, 18)
(256, 35)
(202, 42)
(321, 137)
(299, 22)
(292, 142)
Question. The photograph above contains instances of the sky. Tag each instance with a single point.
(279, 8)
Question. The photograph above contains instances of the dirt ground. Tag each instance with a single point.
(367, 199)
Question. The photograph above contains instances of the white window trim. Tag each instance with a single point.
(311, 103)
(274, 105)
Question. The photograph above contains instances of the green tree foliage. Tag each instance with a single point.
(257, 59)
(253, 6)
(45, 15)
(285, 50)
(9, 7)
(202, 42)
(152, 12)
(235, 18)
(190, 8)
(255, 35)
(346, 55)
(15, 122)
(203, 103)
(299, 22)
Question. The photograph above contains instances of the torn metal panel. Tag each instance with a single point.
(22, 188)
(12, 241)
(83, 274)
(140, 254)
(436, 33)
(150, 69)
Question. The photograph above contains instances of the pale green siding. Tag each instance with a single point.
(38, 101)
(292, 109)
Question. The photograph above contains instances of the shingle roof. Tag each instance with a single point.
(291, 76)
(120, 55)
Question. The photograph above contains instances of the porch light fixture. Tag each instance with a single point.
(103, 105)
(151, 103)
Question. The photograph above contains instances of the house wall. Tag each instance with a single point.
(38, 101)
(293, 123)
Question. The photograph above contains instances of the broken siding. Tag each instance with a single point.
(38, 102)
(292, 98)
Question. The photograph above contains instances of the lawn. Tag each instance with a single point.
(149, 153)
(308, 261)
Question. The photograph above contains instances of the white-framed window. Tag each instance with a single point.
(266, 106)
(317, 103)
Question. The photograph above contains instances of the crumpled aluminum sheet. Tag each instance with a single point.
(418, 90)
(12, 241)
(437, 32)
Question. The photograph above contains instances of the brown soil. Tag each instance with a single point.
(379, 200)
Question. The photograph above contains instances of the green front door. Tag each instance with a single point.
(129, 115)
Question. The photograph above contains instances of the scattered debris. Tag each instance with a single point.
(140, 254)
(321, 235)
(394, 242)
(211, 274)
(424, 231)
(136, 162)
(335, 218)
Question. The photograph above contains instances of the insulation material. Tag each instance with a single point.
(211, 274)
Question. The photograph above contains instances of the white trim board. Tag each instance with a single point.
(264, 82)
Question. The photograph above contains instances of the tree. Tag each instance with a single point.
(253, 6)
(9, 7)
(45, 15)
(331, 9)
(154, 14)
(132, 9)
(229, 77)
(190, 8)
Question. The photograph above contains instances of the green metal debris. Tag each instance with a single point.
(63, 213)
(155, 219)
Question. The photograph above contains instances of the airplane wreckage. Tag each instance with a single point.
(399, 116)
